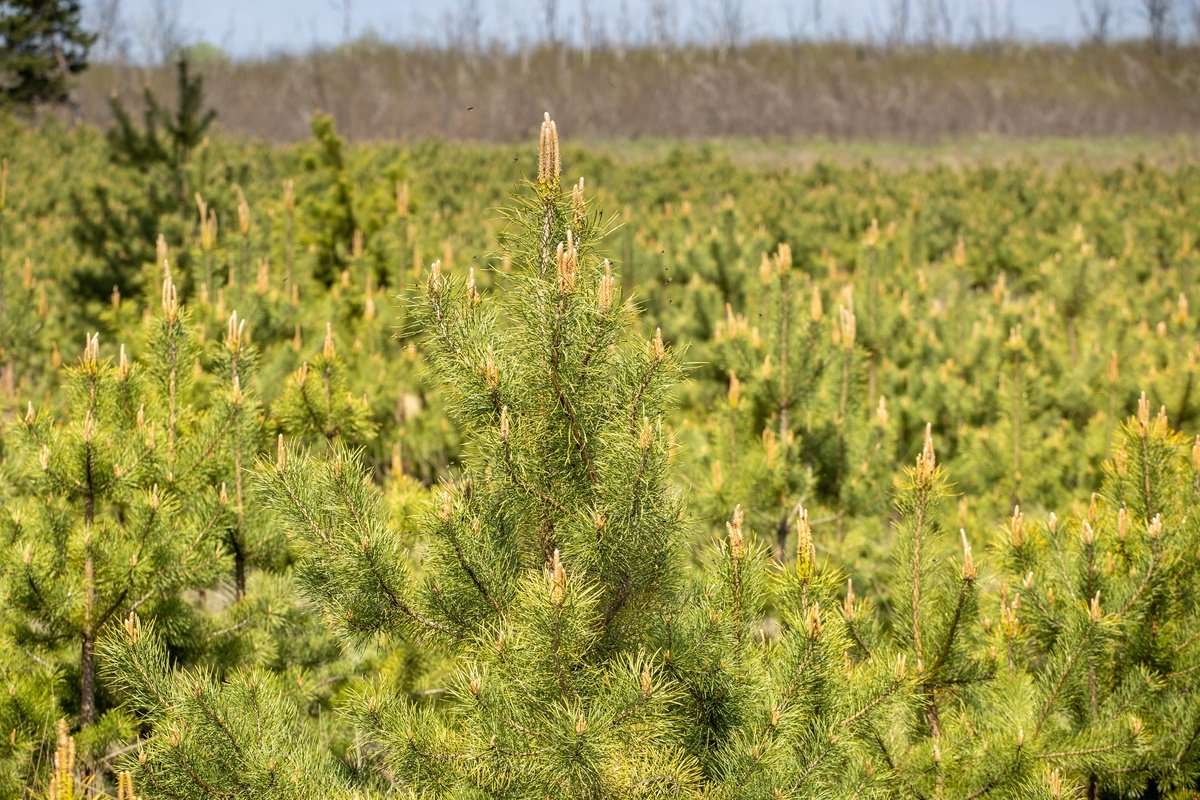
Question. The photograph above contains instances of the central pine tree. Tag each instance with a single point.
(547, 636)
(551, 558)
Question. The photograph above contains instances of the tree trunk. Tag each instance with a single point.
(87, 680)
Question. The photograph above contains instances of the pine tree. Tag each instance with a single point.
(167, 137)
(336, 214)
(535, 383)
(576, 654)
(118, 220)
(948, 744)
(797, 428)
(317, 404)
(242, 737)
(42, 45)
(1102, 610)
(100, 524)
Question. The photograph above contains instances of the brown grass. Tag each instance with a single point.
(765, 90)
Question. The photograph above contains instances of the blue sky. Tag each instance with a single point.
(258, 27)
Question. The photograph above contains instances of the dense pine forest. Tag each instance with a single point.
(547, 469)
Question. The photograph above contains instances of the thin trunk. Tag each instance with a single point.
(785, 402)
(872, 380)
(172, 403)
(872, 325)
(781, 536)
(918, 533)
(239, 572)
(87, 677)
(87, 663)
(239, 546)
(630, 281)
(1093, 782)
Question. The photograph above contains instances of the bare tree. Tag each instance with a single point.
(346, 9)
(1159, 16)
(1195, 13)
(464, 27)
(624, 26)
(550, 21)
(162, 33)
(663, 17)
(802, 23)
(728, 24)
(592, 26)
(900, 16)
(991, 24)
(112, 42)
(937, 22)
(1097, 18)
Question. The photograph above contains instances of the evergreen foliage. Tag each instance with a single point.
(119, 220)
(335, 212)
(134, 499)
(242, 737)
(318, 404)
(42, 46)
(801, 426)
(497, 548)
(1100, 607)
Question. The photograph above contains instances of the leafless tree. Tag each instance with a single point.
(624, 25)
(991, 24)
(592, 27)
(550, 21)
(1195, 13)
(728, 23)
(1159, 16)
(112, 43)
(1097, 18)
(900, 17)
(805, 23)
(346, 9)
(937, 22)
(464, 27)
(162, 32)
(663, 18)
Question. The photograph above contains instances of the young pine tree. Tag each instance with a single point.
(91, 535)
(241, 737)
(948, 745)
(544, 565)
(111, 512)
(568, 650)
(118, 220)
(318, 405)
(1103, 613)
(797, 429)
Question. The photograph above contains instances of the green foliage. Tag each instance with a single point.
(1102, 606)
(318, 405)
(119, 221)
(243, 737)
(42, 45)
(334, 213)
(472, 538)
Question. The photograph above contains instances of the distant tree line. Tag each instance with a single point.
(715, 73)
